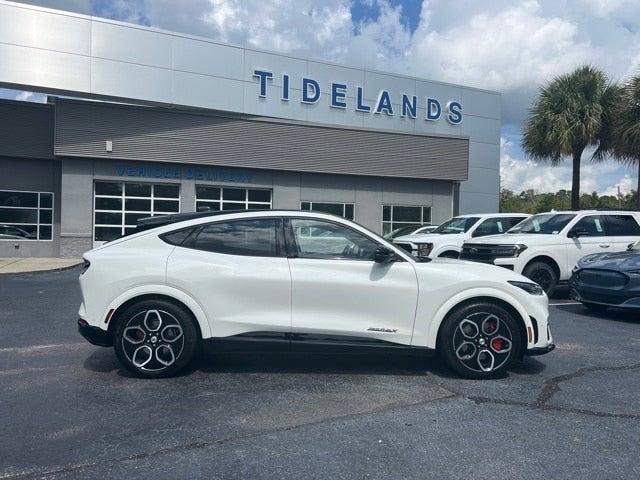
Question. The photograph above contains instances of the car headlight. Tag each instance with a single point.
(633, 273)
(531, 288)
(519, 248)
(424, 249)
(508, 250)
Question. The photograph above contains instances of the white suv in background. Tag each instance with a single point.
(446, 240)
(547, 246)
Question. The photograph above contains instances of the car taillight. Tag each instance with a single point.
(85, 265)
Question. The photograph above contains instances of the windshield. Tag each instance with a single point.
(547, 223)
(398, 232)
(457, 225)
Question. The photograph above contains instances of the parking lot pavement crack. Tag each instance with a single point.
(580, 411)
(552, 385)
(70, 468)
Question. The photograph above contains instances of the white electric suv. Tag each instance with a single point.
(300, 281)
(447, 240)
(547, 246)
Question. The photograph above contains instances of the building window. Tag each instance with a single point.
(344, 210)
(224, 198)
(396, 216)
(119, 205)
(26, 215)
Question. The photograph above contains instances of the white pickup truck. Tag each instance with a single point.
(547, 246)
(446, 240)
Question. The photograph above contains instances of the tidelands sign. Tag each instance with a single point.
(311, 92)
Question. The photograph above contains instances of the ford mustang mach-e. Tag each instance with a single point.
(299, 281)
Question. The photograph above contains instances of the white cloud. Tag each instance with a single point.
(518, 46)
(625, 185)
(24, 96)
(518, 174)
(603, 8)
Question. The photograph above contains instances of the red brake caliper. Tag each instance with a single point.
(497, 344)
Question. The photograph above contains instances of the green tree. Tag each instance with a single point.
(573, 112)
(626, 142)
(531, 202)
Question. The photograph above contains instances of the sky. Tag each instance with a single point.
(512, 46)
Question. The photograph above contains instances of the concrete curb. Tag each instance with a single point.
(46, 270)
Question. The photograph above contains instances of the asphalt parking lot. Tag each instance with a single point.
(67, 410)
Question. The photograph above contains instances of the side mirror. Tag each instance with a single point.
(384, 255)
(578, 232)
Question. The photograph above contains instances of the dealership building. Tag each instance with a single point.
(140, 121)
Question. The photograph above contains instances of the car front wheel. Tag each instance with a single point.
(155, 338)
(544, 275)
(479, 340)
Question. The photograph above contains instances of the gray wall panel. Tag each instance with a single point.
(152, 134)
(26, 130)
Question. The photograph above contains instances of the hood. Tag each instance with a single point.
(621, 261)
(481, 271)
(514, 238)
(428, 237)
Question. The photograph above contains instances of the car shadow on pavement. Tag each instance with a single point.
(105, 361)
(612, 314)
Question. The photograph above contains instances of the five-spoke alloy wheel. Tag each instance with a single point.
(155, 338)
(479, 340)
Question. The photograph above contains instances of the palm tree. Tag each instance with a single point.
(573, 112)
(626, 141)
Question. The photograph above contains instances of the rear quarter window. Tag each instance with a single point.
(256, 238)
(177, 237)
(622, 226)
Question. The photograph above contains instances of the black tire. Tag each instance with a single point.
(149, 347)
(544, 275)
(449, 254)
(595, 307)
(455, 332)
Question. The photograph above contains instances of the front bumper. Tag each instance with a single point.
(94, 335)
(626, 296)
(535, 351)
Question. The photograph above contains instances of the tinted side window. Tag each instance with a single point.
(622, 226)
(320, 239)
(513, 221)
(257, 238)
(492, 226)
(177, 236)
(593, 225)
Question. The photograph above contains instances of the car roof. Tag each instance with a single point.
(593, 211)
(473, 215)
(148, 223)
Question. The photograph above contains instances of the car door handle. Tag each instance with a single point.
(604, 245)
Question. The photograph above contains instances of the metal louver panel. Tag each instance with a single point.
(163, 135)
(26, 130)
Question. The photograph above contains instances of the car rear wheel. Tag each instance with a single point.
(479, 340)
(155, 338)
(544, 275)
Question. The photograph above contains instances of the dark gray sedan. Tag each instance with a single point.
(604, 280)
